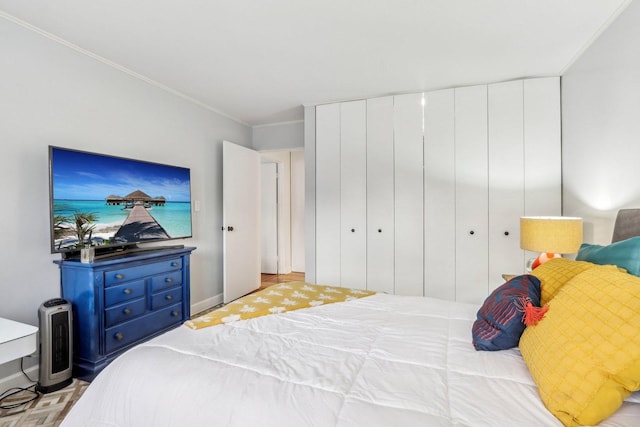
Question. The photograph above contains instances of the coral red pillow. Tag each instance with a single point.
(499, 323)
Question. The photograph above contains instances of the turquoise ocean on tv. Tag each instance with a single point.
(174, 217)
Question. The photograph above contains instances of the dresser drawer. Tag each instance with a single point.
(162, 299)
(125, 292)
(165, 281)
(131, 273)
(134, 330)
(123, 312)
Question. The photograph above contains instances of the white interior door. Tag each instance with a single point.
(380, 198)
(409, 206)
(439, 195)
(506, 179)
(241, 220)
(353, 191)
(269, 203)
(472, 199)
(328, 194)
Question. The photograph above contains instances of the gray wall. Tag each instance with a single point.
(601, 128)
(53, 95)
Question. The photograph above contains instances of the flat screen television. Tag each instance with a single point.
(114, 203)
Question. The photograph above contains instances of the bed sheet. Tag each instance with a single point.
(378, 361)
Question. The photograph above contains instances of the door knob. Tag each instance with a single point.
(472, 232)
(229, 228)
(506, 233)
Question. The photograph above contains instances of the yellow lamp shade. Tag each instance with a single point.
(554, 234)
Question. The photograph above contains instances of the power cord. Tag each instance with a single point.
(13, 391)
(25, 374)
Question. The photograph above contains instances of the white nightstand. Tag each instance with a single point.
(16, 340)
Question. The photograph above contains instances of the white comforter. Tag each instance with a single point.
(378, 361)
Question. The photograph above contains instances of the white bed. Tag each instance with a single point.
(377, 361)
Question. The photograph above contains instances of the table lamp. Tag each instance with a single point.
(550, 235)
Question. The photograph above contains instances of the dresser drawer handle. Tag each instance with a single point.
(168, 280)
(119, 276)
(127, 291)
(168, 297)
(127, 311)
(175, 264)
(119, 336)
(175, 313)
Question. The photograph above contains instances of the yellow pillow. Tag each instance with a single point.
(585, 353)
(554, 273)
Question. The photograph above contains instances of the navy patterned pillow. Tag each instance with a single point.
(499, 321)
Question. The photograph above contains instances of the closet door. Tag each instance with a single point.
(380, 197)
(472, 209)
(408, 190)
(328, 194)
(542, 147)
(439, 195)
(353, 192)
(506, 179)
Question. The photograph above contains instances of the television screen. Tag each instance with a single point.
(112, 202)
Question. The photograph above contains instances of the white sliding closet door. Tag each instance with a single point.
(439, 195)
(506, 179)
(328, 194)
(380, 197)
(353, 193)
(409, 220)
(542, 148)
(472, 210)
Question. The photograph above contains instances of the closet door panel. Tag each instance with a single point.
(409, 221)
(353, 189)
(380, 197)
(472, 209)
(542, 147)
(439, 195)
(506, 179)
(328, 194)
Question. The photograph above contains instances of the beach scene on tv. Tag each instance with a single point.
(102, 201)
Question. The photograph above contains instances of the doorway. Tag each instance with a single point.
(282, 211)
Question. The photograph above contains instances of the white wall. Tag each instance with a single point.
(601, 128)
(279, 136)
(53, 95)
(297, 211)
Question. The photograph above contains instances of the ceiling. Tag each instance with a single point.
(260, 61)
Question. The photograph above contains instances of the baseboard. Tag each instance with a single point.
(201, 306)
(18, 379)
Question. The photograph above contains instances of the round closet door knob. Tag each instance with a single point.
(506, 233)
(379, 230)
(472, 232)
(353, 230)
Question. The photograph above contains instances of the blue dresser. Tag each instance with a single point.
(122, 301)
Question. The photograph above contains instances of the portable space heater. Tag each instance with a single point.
(56, 344)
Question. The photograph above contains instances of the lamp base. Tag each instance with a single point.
(541, 259)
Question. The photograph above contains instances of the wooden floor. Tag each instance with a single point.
(273, 279)
(266, 280)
